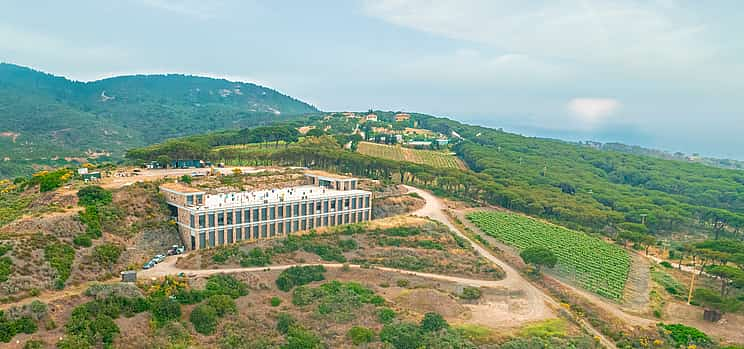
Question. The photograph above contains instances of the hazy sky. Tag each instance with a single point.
(666, 73)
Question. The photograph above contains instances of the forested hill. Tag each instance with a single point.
(43, 117)
(600, 188)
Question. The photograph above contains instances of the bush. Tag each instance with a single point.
(298, 276)
(225, 284)
(685, 335)
(402, 335)
(433, 322)
(402, 283)
(82, 240)
(299, 338)
(284, 322)
(385, 315)
(204, 319)
(360, 335)
(60, 257)
(73, 342)
(471, 293)
(189, 296)
(256, 257)
(6, 268)
(33, 344)
(276, 301)
(666, 264)
(93, 195)
(222, 304)
(164, 309)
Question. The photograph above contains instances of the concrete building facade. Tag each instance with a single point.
(206, 221)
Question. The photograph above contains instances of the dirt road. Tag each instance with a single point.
(434, 209)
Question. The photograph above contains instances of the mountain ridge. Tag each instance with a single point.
(45, 118)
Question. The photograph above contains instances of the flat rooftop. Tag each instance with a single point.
(325, 174)
(271, 196)
(181, 188)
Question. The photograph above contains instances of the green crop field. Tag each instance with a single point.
(419, 156)
(595, 265)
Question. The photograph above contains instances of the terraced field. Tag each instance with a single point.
(419, 156)
(594, 264)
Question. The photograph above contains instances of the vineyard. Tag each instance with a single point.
(425, 157)
(595, 265)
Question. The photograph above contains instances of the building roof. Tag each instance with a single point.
(272, 196)
(317, 173)
(180, 188)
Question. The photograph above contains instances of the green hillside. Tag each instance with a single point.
(43, 117)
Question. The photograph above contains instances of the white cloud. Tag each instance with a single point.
(591, 112)
(648, 37)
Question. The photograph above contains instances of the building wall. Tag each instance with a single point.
(222, 226)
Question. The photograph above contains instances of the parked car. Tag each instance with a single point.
(159, 258)
(148, 265)
(175, 249)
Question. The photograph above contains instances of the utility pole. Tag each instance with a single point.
(692, 286)
(643, 218)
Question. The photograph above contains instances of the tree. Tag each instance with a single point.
(433, 322)
(163, 160)
(729, 276)
(539, 257)
(107, 255)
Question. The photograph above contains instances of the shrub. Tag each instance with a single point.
(189, 296)
(685, 335)
(299, 338)
(402, 335)
(298, 276)
(60, 256)
(33, 344)
(666, 264)
(433, 322)
(6, 268)
(73, 342)
(256, 257)
(93, 195)
(82, 240)
(164, 309)
(284, 322)
(402, 283)
(360, 335)
(225, 284)
(385, 315)
(204, 319)
(107, 255)
(222, 304)
(276, 301)
(471, 293)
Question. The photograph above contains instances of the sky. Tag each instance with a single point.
(666, 74)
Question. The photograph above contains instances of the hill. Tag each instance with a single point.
(45, 118)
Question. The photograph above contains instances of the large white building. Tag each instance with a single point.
(206, 220)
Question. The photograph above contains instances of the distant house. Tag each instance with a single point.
(91, 176)
(442, 142)
(398, 138)
(83, 170)
(402, 117)
(370, 117)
